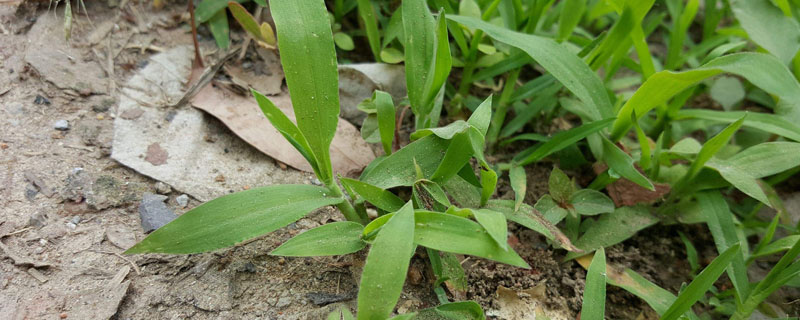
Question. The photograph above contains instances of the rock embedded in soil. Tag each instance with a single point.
(154, 212)
(61, 125)
(163, 188)
(182, 200)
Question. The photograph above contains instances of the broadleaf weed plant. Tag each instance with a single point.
(496, 69)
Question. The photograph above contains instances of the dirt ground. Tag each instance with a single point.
(62, 257)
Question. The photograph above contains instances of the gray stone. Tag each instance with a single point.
(154, 213)
(38, 220)
(284, 302)
(61, 125)
(76, 220)
(71, 225)
(182, 200)
(163, 188)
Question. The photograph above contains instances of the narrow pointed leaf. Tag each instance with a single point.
(381, 198)
(233, 218)
(330, 239)
(594, 294)
(622, 164)
(495, 224)
(560, 141)
(449, 233)
(398, 169)
(386, 266)
(286, 127)
(519, 183)
(700, 284)
(304, 31)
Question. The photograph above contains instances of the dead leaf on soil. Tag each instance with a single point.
(349, 152)
(627, 193)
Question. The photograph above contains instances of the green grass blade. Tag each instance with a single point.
(233, 218)
(386, 266)
(571, 14)
(560, 141)
(591, 202)
(440, 66)
(691, 252)
(367, 14)
(458, 154)
(381, 198)
(622, 164)
(398, 169)
(286, 127)
(762, 70)
(766, 122)
(449, 233)
(594, 294)
(218, 24)
(613, 228)
(701, 284)
(419, 29)
(386, 119)
(495, 224)
(488, 185)
(781, 36)
(482, 116)
(519, 183)
(564, 65)
(723, 230)
(330, 239)
(709, 149)
(206, 9)
(678, 33)
(304, 31)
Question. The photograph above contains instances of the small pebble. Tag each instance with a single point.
(71, 225)
(100, 117)
(42, 241)
(76, 220)
(41, 100)
(182, 200)
(316, 182)
(63, 315)
(61, 125)
(163, 188)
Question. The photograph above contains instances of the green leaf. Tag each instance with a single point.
(779, 245)
(367, 14)
(231, 219)
(700, 284)
(342, 313)
(709, 149)
(564, 65)
(455, 234)
(762, 70)
(550, 209)
(461, 310)
(330, 239)
(398, 169)
(655, 296)
(622, 164)
(691, 252)
(248, 23)
(756, 162)
(591, 202)
(594, 295)
(613, 228)
(727, 91)
(762, 121)
(343, 41)
(560, 141)
(286, 127)
(458, 154)
(469, 8)
(447, 132)
(386, 119)
(495, 223)
(392, 55)
(304, 31)
(381, 198)
(720, 222)
(206, 9)
(218, 24)
(560, 185)
(427, 55)
(780, 36)
(533, 219)
(488, 185)
(519, 183)
(571, 13)
(482, 116)
(386, 266)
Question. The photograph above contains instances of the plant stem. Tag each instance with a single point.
(345, 206)
(502, 107)
(472, 55)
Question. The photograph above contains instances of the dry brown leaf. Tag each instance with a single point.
(349, 152)
(627, 193)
